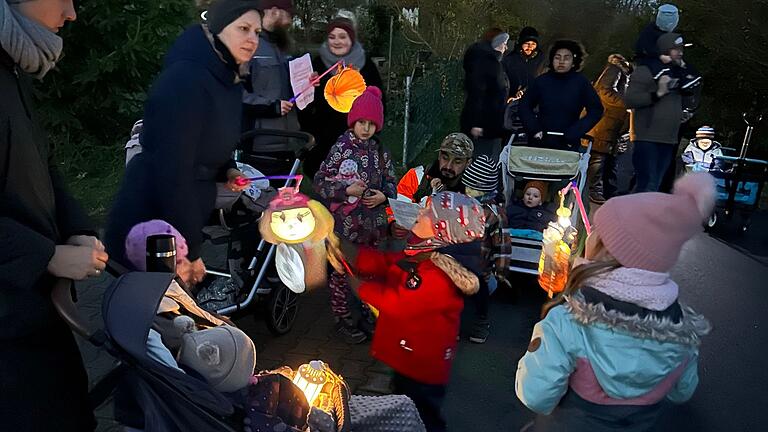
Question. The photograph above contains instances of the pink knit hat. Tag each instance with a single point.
(136, 242)
(367, 106)
(648, 230)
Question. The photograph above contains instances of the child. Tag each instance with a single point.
(531, 212)
(481, 182)
(365, 224)
(420, 295)
(617, 342)
(702, 150)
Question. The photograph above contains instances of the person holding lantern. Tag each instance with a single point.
(419, 293)
(617, 343)
(319, 118)
(191, 126)
(364, 223)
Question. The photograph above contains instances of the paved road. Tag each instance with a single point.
(720, 281)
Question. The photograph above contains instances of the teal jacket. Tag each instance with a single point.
(610, 359)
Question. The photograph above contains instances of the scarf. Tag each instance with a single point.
(647, 289)
(355, 57)
(33, 47)
(221, 50)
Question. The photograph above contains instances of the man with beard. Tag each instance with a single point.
(266, 105)
(524, 63)
(444, 174)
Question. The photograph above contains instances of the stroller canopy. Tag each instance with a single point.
(543, 163)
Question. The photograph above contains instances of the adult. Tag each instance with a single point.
(524, 62)
(667, 18)
(611, 86)
(191, 126)
(658, 93)
(485, 90)
(266, 104)
(319, 118)
(44, 235)
(551, 109)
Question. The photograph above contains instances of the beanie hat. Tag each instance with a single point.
(499, 40)
(482, 174)
(222, 12)
(345, 24)
(667, 17)
(286, 5)
(367, 106)
(542, 187)
(136, 242)
(648, 230)
(668, 41)
(225, 356)
(705, 132)
(528, 34)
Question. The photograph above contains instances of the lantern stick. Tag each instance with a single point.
(316, 80)
(572, 187)
(242, 181)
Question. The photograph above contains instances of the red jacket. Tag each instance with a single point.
(417, 328)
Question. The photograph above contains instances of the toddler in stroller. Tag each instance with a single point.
(531, 212)
(703, 152)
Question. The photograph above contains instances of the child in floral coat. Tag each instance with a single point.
(365, 223)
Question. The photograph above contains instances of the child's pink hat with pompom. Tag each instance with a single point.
(648, 230)
(367, 106)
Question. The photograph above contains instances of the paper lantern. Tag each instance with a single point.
(311, 379)
(555, 260)
(344, 88)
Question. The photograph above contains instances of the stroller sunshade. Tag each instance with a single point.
(543, 163)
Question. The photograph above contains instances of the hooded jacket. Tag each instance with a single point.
(694, 154)
(417, 327)
(596, 363)
(486, 88)
(191, 126)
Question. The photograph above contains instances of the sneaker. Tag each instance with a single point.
(367, 323)
(349, 331)
(480, 331)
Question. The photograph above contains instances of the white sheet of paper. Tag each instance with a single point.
(406, 213)
(301, 71)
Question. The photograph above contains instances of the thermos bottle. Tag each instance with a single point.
(161, 253)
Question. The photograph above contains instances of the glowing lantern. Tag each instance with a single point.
(555, 261)
(311, 379)
(344, 88)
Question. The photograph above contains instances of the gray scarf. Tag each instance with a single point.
(355, 57)
(33, 47)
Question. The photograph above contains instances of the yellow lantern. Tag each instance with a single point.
(311, 379)
(555, 260)
(344, 88)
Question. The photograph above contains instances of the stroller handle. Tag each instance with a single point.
(303, 136)
(749, 123)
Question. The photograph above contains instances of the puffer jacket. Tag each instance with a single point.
(417, 326)
(600, 364)
(611, 86)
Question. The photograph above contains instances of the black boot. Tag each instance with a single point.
(347, 328)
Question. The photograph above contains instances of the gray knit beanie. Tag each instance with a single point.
(499, 40)
(223, 12)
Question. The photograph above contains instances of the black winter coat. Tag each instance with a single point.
(611, 86)
(325, 123)
(560, 99)
(485, 89)
(645, 47)
(191, 126)
(43, 385)
(519, 216)
(521, 70)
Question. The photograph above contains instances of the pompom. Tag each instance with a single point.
(184, 324)
(374, 91)
(700, 187)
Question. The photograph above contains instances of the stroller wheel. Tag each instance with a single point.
(712, 221)
(282, 309)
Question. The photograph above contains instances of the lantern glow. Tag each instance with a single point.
(311, 379)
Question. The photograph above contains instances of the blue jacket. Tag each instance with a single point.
(595, 363)
(191, 126)
(560, 99)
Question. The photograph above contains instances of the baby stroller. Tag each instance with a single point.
(740, 181)
(248, 275)
(557, 167)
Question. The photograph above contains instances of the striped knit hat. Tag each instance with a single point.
(705, 132)
(482, 174)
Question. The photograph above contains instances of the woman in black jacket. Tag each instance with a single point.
(191, 126)
(485, 89)
(44, 235)
(319, 119)
(552, 107)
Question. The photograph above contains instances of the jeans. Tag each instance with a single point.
(428, 399)
(601, 177)
(651, 161)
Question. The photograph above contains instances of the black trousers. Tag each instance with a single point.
(601, 176)
(428, 399)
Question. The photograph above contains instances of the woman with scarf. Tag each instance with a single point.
(44, 235)
(319, 119)
(420, 295)
(191, 126)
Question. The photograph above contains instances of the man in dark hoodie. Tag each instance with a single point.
(266, 105)
(486, 90)
(524, 63)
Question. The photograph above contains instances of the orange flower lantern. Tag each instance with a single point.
(344, 88)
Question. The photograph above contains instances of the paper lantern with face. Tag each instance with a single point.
(303, 225)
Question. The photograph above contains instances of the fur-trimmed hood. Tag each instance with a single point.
(689, 331)
(464, 279)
